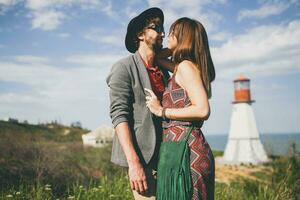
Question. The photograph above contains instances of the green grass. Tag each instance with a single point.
(262, 175)
(116, 188)
(40, 162)
(46, 132)
(217, 153)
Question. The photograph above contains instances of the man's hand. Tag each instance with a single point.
(137, 177)
(136, 172)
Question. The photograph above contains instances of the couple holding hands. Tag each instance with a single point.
(158, 117)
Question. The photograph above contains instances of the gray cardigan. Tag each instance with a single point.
(127, 79)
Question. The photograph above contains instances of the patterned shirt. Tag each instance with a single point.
(156, 80)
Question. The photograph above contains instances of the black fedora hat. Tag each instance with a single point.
(137, 24)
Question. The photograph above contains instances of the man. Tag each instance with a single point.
(138, 132)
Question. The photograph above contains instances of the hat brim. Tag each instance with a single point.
(137, 24)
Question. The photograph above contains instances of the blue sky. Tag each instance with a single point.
(56, 54)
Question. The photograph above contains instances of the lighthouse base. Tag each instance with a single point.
(244, 151)
(244, 145)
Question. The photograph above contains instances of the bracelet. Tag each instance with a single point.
(163, 113)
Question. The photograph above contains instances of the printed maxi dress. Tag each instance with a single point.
(201, 158)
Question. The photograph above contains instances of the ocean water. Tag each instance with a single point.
(274, 144)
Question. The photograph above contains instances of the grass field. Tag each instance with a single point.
(49, 162)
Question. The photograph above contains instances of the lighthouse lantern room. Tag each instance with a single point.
(242, 90)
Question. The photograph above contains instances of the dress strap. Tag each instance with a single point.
(188, 133)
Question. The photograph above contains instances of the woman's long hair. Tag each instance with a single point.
(192, 45)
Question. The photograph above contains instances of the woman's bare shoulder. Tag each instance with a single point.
(187, 67)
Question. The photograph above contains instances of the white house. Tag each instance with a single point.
(99, 137)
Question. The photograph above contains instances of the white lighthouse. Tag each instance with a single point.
(244, 145)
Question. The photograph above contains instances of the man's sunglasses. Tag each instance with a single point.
(157, 28)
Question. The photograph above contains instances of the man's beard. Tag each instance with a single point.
(157, 47)
(154, 45)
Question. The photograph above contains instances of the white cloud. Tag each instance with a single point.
(46, 14)
(76, 91)
(262, 51)
(34, 74)
(6, 4)
(63, 35)
(37, 72)
(105, 37)
(94, 60)
(29, 59)
(108, 9)
(47, 20)
(49, 14)
(130, 11)
(194, 9)
(267, 9)
(13, 98)
(37, 5)
(221, 36)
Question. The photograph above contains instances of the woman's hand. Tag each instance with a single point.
(164, 53)
(153, 103)
(161, 59)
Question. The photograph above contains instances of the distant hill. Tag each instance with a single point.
(51, 131)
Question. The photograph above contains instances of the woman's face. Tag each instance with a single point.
(172, 41)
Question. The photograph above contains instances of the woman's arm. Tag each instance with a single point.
(188, 77)
(162, 59)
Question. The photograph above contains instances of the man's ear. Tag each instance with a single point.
(140, 36)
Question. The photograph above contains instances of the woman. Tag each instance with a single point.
(185, 100)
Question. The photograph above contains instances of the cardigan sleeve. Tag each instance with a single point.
(120, 94)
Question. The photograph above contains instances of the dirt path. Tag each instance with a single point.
(227, 173)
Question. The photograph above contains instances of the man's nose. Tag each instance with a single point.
(162, 34)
